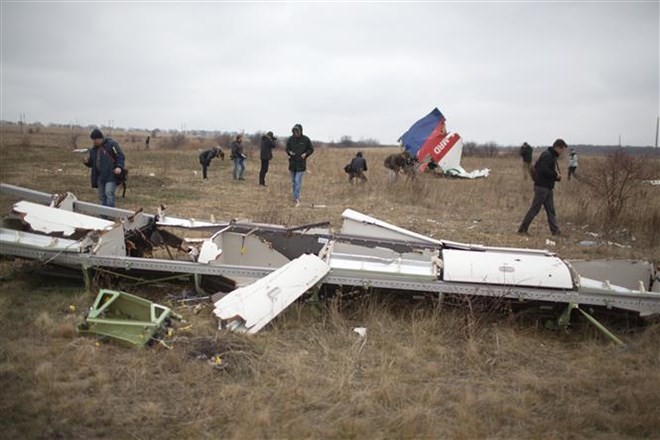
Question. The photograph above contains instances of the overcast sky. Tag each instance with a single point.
(503, 72)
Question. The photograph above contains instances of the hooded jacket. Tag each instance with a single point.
(103, 160)
(299, 149)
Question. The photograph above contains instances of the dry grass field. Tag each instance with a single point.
(426, 370)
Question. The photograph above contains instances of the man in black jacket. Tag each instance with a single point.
(106, 160)
(546, 173)
(267, 145)
(205, 158)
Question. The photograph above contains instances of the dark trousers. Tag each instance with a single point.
(204, 168)
(263, 171)
(542, 197)
(571, 172)
(357, 175)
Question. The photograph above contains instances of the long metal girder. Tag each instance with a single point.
(81, 207)
(647, 302)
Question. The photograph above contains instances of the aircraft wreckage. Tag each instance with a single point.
(258, 270)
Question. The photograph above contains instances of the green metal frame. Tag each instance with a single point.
(125, 317)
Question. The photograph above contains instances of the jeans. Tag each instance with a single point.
(296, 181)
(263, 171)
(239, 168)
(107, 192)
(204, 168)
(542, 197)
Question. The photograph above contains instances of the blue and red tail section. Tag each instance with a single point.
(425, 133)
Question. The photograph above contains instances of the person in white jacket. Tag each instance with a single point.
(572, 164)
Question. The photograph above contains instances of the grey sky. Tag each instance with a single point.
(503, 72)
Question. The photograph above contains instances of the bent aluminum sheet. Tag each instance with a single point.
(250, 308)
(348, 258)
(624, 273)
(356, 223)
(53, 220)
(505, 268)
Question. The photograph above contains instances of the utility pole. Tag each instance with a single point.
(619, 141)
(657, 125)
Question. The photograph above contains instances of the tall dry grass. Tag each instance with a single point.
(425, 370)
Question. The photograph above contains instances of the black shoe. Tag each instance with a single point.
(523, 232)
(556, 234)
(241, 178)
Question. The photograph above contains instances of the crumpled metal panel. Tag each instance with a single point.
(250, 308)
(57, 221)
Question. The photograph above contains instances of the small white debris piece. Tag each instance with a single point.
(154, 174)
(549, 242)
(361, 331)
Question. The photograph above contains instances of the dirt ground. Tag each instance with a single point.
(426, 370)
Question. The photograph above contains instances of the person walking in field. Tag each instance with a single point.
(572, 164)
(545, 174)
(266, 154)
(107, 162)
(526, 155)
(238, 156)
(298, 148)
(356, 169)
(205, 158)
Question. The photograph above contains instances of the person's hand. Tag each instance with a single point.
(117, 170)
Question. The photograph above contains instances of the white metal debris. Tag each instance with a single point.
(504, 268)
(38, 241)
(52, 220)
(356, 223)
(250, 308)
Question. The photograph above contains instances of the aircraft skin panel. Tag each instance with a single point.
(250, 308)
(53, 220)
(504, 268)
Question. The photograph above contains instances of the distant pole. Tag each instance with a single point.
(619, 141)
(657, 125)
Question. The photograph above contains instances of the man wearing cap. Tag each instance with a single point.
(546, 173)
(299, 148)
(106, 160)
(267, 145)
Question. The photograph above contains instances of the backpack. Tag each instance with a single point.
(348, 168)
(532, 171)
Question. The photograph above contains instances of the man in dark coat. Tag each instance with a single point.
(299, 148)
(357, 168)
(206, 156)
(267, 145)
(107, 162)
(526, 155)
(546, 173)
